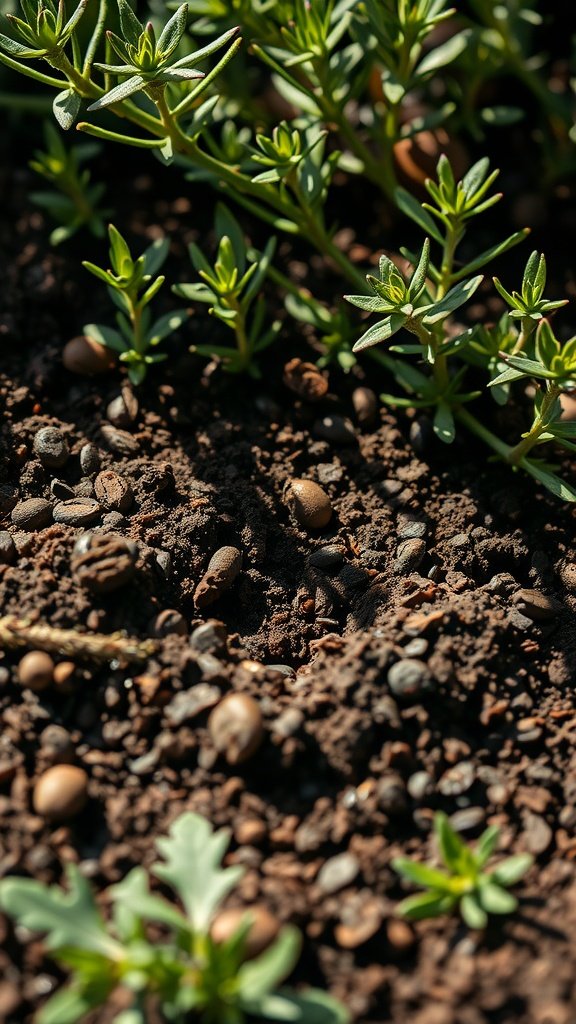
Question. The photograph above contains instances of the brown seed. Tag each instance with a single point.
(87, 357)
(365, 404)
(61, 792)
(51, 447)
(32, 514)
(305, 380)
(263, 928)
(416, 158)
(123, 410)
(537, 606)
(222, 570)
(77, 512)
(113, 491)
(103, 562)
(568, 406)
(64, 676)
(168, 622)
(236, 727)
(118, 441)
(36, 671)
(309, 503)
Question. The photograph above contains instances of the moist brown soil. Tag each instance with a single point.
(347, 767)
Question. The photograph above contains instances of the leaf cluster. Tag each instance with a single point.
(187, 973)
(132, 284)
(467, 884)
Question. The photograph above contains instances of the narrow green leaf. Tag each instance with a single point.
(449, 842)
(474, 915)
(421, 873)
(380, 331)
(495, 900)
(444, 426)
(410, 206)
(66, 107)
(553, 483)
(487, 845)
(256, 978)
(426, 904)
(512, 869)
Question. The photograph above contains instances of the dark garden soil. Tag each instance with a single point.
(435, 556)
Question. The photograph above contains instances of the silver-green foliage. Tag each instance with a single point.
(190, 976)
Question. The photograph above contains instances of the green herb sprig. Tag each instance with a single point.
(132, 285)
(468, 884)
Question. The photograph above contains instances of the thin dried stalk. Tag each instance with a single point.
(17, 632)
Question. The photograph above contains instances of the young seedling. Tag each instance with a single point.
(232, 288)
(189, 974)
(467, 884)
(132, 285)
(423, 302)
(74, 203)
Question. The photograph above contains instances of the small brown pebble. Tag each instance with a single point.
(250, 832)
(168, 622)
(56, 744)
(365, 405)
(87, 357)
(537, 606)
(61, 792)
(305, 380)
(263, 929)
(7, 548)
(309, 503)
(36, 671)
(338, 872)
(236, 727)
(122, 411)
(32, 514)
(338, 429)
(113, 491)
(400, 935)
(51, 447)
(568, 406)
(64, 673)
(223, 568)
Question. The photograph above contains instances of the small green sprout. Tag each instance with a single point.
(475, 891)
(146, 61)
(132, 286)
(75, 203)
(189, 974)
(231, 287)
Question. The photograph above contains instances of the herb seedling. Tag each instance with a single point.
(507, 352)
(232, 287)
(74, 204)
(188, 974)
(132, 285)
(476, 892)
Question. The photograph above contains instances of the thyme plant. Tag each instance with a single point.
(132, 285)
(231, 287)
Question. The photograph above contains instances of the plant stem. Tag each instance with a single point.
(527, 327)
(21, 632)
(475, 427)
(539, 426)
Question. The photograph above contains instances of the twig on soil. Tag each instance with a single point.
(17, 632)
